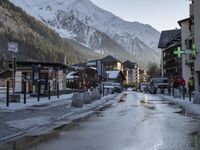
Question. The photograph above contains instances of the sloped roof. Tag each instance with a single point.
(92, 62)
(183, 20)
(48, 64)
(71, 75)
(129, 64)
(79, 66)
(168, 37)
(6, 74)
(109, 59)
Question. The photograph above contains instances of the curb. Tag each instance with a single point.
(64, 122)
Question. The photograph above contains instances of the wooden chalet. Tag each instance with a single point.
(43, 72)
(111, 63)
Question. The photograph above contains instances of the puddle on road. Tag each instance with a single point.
(184, 112)
(171, 103)
(27, 141)
(147, 104)
(155, 101)
(121, 100)
(24, 142)
(195, 140)
(39, 106)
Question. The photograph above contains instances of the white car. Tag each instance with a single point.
(108, 87)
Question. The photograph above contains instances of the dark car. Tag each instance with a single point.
(144, 87)
(158, 83)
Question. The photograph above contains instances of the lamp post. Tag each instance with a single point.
(39, 66)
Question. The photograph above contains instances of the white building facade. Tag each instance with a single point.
(196, 8)
(186, 42)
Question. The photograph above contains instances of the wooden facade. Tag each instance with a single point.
(43, 72)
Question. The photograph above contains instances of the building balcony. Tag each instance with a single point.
(171, 65)
(189, 62)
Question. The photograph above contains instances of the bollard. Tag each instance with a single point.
(190, 94)
(57, 90)
(103, 90)
(100, 89)
(49, 91)
(7, 94)
(184, 90)
(169, 91)
(24, 92)
(38, 96)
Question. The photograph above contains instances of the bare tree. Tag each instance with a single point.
(153, 70)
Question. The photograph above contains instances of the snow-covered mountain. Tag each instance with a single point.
(88, 25)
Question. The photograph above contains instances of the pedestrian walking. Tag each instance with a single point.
(190, 87)
(175, 85)
(182, 87)
(169, 90)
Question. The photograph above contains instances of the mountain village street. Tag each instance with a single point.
(99, 75)
(133, 121)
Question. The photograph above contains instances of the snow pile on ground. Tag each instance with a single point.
(35, 122)
(29, 123)
(54, 101)
(188, 105)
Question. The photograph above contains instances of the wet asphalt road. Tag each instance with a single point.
(150, 124)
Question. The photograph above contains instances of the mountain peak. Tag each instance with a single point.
(88, 24)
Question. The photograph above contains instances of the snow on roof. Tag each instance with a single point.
(71, 75)
(168, 36)
(93, 68)
(112, 74)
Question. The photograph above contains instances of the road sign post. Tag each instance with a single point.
(7, 94)
(13, 48)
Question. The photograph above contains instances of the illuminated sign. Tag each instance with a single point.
(179, 52)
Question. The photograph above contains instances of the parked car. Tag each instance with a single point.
(108, 87)
(117, 87)
(158, 83)
(144, 87)
(111, 87)
(134, 88)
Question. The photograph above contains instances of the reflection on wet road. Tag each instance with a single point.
(141, 122)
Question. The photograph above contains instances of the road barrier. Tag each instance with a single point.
(79, 99)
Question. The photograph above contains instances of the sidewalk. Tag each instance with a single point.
(32, 101)
(21, 119)
(188, 105)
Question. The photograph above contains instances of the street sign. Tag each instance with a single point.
(179, 52)
(35, 73)
(13, 47)
(188, 51)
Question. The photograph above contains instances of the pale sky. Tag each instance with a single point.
(161, 14)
